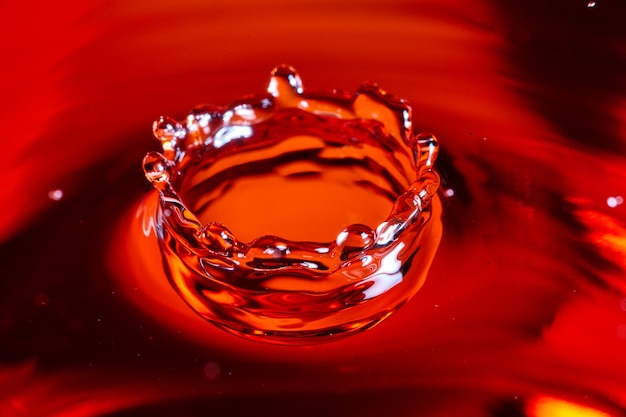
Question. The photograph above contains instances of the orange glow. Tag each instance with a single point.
(554, 407)
(525, 297)
(25, 391)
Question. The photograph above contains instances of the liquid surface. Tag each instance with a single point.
(524, 312)
(336, 278)
(323, 210)
(294, 176)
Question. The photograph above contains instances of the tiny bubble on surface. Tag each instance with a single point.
(591, 4)
(55, 194)
(41, 300)
(211, 370)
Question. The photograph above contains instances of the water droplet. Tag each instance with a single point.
(353, 239)
(591, 4)
(283, 77)
(449, 192)
(211, 370)
(168, 130)
(201, 122)
(156, 168)
(356, 236)
(55, 194)
(427, 148)
(217, 238)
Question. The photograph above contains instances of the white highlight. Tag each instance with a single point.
(366, 260)
(55, 194)
(272, 88)
(224, 136)
(387, 276)
(614, 201)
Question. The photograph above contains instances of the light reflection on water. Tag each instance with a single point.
(525, 299)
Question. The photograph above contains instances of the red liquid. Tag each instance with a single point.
(524, 303)
(287, 170)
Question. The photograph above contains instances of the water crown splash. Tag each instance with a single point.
(301, 166)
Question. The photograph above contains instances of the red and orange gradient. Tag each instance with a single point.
(523, 312)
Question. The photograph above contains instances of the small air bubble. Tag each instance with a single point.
(591, 4)
(211, 370)
(56, 194)
(449, 192)
(614, 201)
(41, 299)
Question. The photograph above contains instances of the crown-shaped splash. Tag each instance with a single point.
(298, 291)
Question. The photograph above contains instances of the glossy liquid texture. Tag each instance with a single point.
(313, 269)
(293, 186)
(523, 313)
